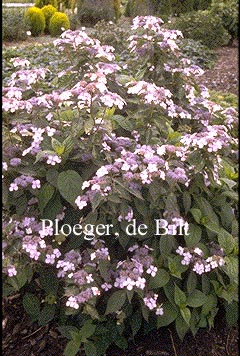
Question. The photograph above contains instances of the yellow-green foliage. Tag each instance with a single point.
(58, 21)
(35, 20)
(41, 3)
(48, 11)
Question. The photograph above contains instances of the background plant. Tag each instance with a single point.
(14, 27)
(102, 140)
(35, 19)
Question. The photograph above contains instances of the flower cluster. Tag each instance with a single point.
(200, 264)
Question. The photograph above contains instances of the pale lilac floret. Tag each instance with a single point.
(152, 270)
(11, 271)
(72, 302)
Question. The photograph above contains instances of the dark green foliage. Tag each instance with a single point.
(227, 10)
(203, 26)
(203, 4)
(41, 3)
(111, 34)
(164, 9)
(141, 7)
(92, 11)
(58, 21)
(36, 20)
(14, 27)
(180, 7)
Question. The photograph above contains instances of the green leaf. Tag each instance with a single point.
(46, 314)
(231, 268)
(226, 241)
(181, 327)
(187, 201)
(194, 235)
(87, 330)
(49, 281)
(31, 304)
(136, 322)
(53, 207)
(166, 244)
(175, 267)
(45, 194)
(72, 348)
(160, 279)
(197, 215)
(116, 301)
(88, 125)
(52, 176)
(57, 146)
(90, 349)
(209, 303)
(97, 199)
(191, 282)
(179, 296)
(70, 185)
(123, 122)
(170, 313)
(196, 299)
(186, 314)
(65, 330)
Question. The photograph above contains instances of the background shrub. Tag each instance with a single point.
(92, 11)
(48, 11)
(228, 11)
(140, 8)
(14, 27)
(41, 3)
(58, 21)
(36, 20)
(203, 26)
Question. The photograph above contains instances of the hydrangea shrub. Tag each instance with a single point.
(119, 191)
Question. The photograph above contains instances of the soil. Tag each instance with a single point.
(21, 337)
(224, 76)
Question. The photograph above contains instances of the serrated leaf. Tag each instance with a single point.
(136, 322)
(197, 214)
(191, 282)
(88, 125)
(31, 304)
(46, 314)
(179, 296)
(181, 327)
(57, 146)
(160, 279)
(170, 313)
(226, 241)
(123, 122)
(45, 194)
(70, 185)
(116, 301)
(52, 176)
(196, 299)
(186, 314)
(194, 235)
(49, 281)
(65, 330)
(87, 330)
(90, 349)
(72, 348)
